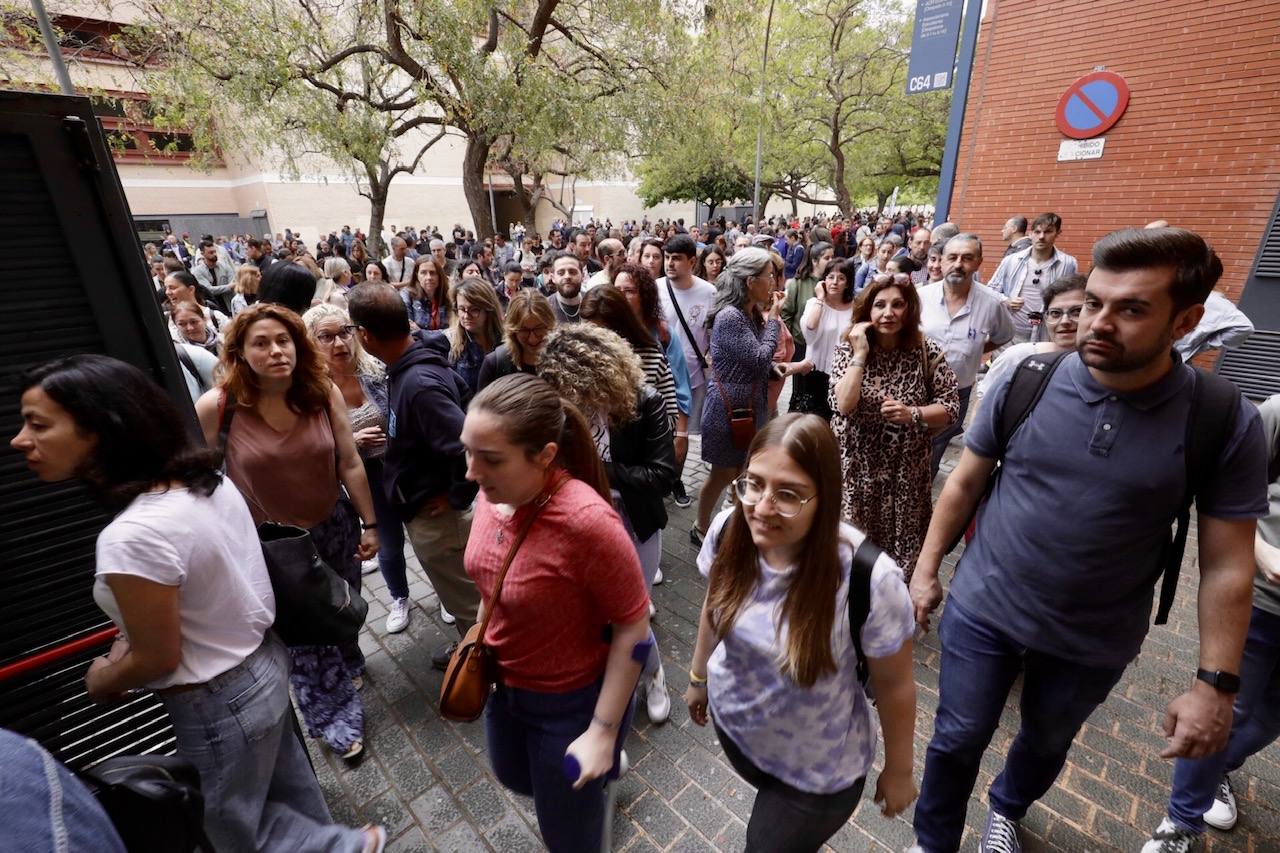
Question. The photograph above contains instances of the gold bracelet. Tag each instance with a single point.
(697, 680)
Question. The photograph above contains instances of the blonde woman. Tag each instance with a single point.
(475, 330)
(338, 272)
(362, 379)
(597, 370)
(529, 321)
(248, 278)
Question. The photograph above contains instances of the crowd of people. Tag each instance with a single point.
(521, 411)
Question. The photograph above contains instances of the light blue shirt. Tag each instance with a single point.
(1012, 279)
(964, 336)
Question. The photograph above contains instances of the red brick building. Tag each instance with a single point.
(1199, 144)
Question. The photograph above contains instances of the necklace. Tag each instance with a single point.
(565, 308)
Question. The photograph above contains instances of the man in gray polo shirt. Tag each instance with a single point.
(1058, 581)
(966, 320)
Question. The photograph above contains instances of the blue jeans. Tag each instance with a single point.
(390, 533)
(259, 790)
(979, 666)
(1255, 724)
(45, 809)
(942, 439)
(528, 733)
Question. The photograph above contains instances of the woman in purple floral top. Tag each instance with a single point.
(775, 660)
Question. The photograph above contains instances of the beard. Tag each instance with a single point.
(954, 278)
(1119, 359)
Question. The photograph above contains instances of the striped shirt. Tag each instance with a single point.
(657, 372)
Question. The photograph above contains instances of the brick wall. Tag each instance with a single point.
(1199, 144)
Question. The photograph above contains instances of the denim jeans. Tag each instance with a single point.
(528, 733)
(978, 668)
(45, 809)
(785, 819)
(390, 533)
(259, 790)
(1255, 724)
(942, 439)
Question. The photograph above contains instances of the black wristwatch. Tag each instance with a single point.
(1225, 682)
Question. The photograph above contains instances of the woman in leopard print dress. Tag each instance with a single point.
(891, 389)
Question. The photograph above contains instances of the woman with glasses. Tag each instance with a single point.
(891, 388)
(774, 666)
(290, 452)
(475, 330)
(529, 320)
(744, 335)
(1063, 300)
(362, 380)
(710, 263)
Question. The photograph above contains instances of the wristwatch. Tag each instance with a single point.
(1225, 682)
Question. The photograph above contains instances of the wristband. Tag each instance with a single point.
(602, 723)
(856, 363)
(368, 525)
(697, 680)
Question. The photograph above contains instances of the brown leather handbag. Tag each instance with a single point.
(742, 422)
(472, 670)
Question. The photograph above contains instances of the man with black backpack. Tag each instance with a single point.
(1202, 791)
(1099, 452)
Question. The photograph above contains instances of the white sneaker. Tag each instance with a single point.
(657, 701)
(1222, 814)
(652, 609)
(1170, 838)
(445, 616)
(657, 577)
(368, 567)
(398, 616)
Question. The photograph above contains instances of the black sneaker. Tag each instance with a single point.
(444, 654)
(680, 496)
(695, 535)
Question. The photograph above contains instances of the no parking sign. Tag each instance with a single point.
(1092, 105)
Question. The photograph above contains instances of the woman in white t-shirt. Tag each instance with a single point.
(775, 650)
(825, 317)
(180, 572)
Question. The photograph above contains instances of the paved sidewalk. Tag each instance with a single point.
(427, 780)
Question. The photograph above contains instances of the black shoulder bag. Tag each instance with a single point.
(702, 359)
(315, 606)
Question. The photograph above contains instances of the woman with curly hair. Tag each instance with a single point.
(597, 371)
(608, 308)
(289, 447)
(475, 329)
(529, 320)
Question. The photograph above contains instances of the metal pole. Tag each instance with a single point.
(959, 97)
(51, 45)
(764, 66)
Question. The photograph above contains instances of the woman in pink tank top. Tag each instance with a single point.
(288, 449)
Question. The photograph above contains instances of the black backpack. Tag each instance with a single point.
(864, 560)
(1215, 403)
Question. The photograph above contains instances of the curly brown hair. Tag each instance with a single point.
(309, 390)
(593, 368)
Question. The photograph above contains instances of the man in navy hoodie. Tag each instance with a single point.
(424, 470)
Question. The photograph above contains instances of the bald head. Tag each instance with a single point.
(946, 231)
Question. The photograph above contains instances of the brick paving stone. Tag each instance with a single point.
(430, 781)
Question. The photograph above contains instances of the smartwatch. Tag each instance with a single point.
(1225, 682)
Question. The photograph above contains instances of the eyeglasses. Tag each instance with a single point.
(536, 331)
(325, 339)
(786, 502)
(1055, 315)
(468, 311)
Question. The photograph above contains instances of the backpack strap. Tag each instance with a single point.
(864, 560)
(1026, 387)
(226, 411)
(1215, 403)
(185, 359)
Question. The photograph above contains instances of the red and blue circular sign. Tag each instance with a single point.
(1093, 104)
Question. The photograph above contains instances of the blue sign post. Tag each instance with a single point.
(933, 45)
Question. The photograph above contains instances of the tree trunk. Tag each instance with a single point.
(882, 198)
(843, 199)
(379, 189)
(474, 160)
(795, 205)
(711, 210)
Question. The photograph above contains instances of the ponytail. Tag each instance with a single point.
(578, 454)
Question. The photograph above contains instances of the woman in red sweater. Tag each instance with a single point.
(570, 626)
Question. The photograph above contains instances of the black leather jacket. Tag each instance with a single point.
(643, 469)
